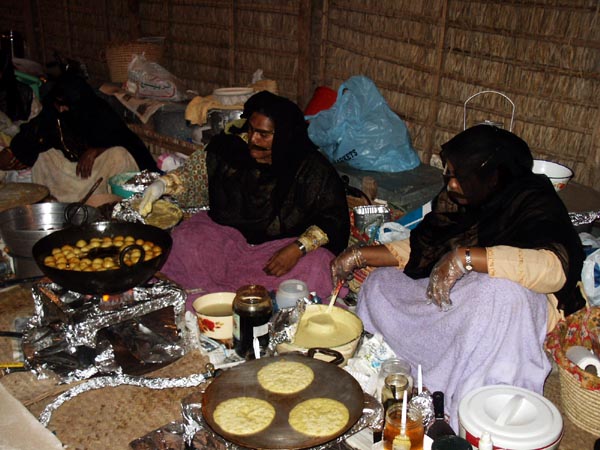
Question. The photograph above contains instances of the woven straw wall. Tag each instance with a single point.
(427, 57)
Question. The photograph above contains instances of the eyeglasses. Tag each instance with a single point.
(449, 175)
(264, 134)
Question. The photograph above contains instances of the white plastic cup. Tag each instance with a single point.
(289, 292)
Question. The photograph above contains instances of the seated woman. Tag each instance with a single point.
(499, 258)
(75, 139)
(277, 207)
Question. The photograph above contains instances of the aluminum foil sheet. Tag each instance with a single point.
(140, 181)
(121, 380)
(424, 403)
(584, 218)
(198, 435)
(71, 333)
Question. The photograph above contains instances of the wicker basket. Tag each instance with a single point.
(119, 56)
(579, 390)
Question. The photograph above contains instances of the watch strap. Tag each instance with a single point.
(468, 260)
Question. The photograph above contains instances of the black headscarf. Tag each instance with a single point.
(271, 201)
(291, 143)
(89, 122)
(521, 209)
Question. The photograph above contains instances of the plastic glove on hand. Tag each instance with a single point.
(444, 275)
(151, 194)
(345, 263)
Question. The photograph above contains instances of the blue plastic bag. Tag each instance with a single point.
(361, 130)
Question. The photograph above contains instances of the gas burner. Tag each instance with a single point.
(112, 302)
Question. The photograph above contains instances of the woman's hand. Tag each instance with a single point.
(345, 263)
(86, 162)
(444, 275)
(283, 260)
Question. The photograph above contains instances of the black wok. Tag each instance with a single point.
(110, 281)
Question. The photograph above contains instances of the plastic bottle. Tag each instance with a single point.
(439, 427)
(485, 442)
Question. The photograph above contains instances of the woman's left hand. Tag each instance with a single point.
(283, 260)
(86, 162)
(444, 275)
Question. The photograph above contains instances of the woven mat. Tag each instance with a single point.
(108, 418)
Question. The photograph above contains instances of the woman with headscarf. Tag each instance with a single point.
(277, 207)
(497, 254)
(76, 139)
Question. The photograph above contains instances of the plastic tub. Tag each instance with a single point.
(116, 184)
(516, 418)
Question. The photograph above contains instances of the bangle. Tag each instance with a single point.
(301, 246)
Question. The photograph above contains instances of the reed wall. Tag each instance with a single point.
(427, 57)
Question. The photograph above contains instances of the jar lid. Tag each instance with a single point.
(515, 417)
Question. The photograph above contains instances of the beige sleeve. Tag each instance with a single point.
(538, 270)
(400, 250)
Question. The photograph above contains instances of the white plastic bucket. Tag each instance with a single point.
(516, 418)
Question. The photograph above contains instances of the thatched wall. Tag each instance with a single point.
(427, 57)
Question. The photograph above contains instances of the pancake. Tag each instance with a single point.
(285, 377)
(243, 416)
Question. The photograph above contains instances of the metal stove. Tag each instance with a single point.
(79, 335)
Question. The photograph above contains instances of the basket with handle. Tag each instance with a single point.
(579, 390)
(118, 56)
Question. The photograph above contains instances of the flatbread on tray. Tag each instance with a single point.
(243, 416)
(319, 417)
(285, 377)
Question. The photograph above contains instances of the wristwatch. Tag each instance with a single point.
(301, 247)
(468, 260)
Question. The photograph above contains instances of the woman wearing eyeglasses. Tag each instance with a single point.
(277, 207)
(497, 255)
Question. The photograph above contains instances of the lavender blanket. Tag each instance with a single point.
(217, 258)
(493, 334)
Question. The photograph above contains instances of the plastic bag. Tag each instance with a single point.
(361, 130)
(151, 80)
(590, 277)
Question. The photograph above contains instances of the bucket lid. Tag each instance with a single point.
(516, 418)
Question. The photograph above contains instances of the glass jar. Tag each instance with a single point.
(393, 423)
(393, 390)
(252, 309)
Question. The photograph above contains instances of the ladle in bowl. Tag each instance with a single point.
(324, 323)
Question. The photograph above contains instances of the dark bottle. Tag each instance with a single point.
(252, 309)
(439, 427)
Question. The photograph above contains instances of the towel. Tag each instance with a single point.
(493, 334)
(216, 258)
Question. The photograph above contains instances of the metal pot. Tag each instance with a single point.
(340, 316)
(111, 281)
(23, 226)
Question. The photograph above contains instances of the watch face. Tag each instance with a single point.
(469, 267)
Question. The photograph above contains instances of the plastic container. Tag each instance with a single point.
(289, 292)
(116, 184)
(516, 418)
